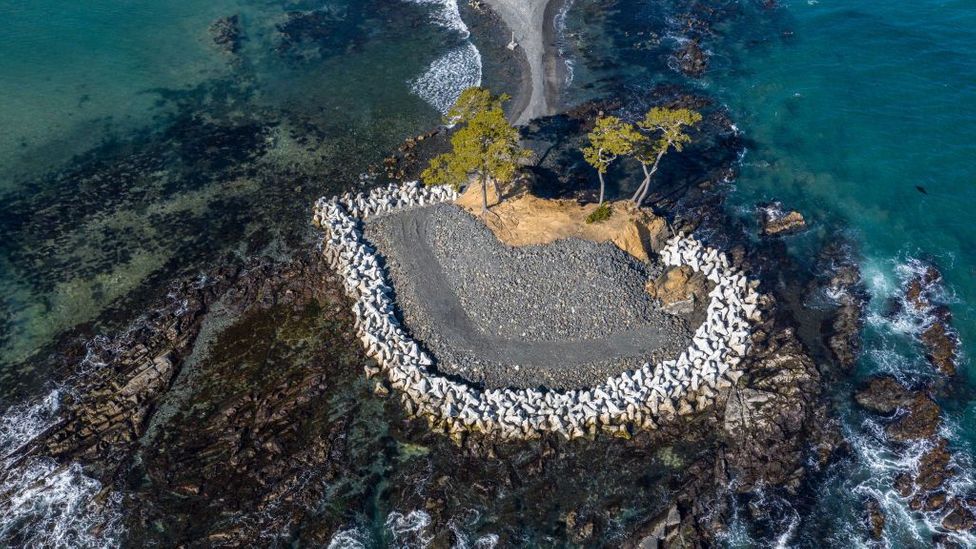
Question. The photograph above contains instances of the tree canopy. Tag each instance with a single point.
(663, 129)
(610, 138)
(486, 146)
(472, 101)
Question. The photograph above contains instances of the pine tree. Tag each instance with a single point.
(610, 138)
(665, 129)
(472, 101)
(486, 146)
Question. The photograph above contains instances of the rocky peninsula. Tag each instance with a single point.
(282, 365)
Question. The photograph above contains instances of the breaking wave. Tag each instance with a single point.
(22, 423)
(892, 333)
(559, 21)
(448, 76)
(460, 68)
(446, 14)
(45, 504)
(412, 530)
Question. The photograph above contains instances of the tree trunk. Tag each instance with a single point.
(600, 174)
(484, 194)
(498, 191)
(643, 185)
(647, 188)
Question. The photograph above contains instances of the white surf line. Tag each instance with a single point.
(639, 398)
(461, 67)
(449, 75)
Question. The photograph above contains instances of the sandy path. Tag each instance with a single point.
(532, 23)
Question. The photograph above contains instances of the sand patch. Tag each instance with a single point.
(522, 219)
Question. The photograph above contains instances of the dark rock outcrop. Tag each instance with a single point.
(883, 395)
(921, 420)
(875, 519)
(110, 413)
(768, 422)
(775, 221)
(940, 340)
(692, 59)
(933, 467)
(960, 516)
(942, 347)
(842, 331)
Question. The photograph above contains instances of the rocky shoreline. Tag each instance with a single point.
(912, 418)
(249, 383)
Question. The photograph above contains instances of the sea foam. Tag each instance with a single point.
(22, 423)
(46, 504)
(448, 75)
(446, 14)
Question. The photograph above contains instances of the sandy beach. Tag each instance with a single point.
(532, 23)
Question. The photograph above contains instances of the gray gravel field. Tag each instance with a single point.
(563, 315)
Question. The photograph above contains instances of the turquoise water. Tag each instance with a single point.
(847, 116)
(846, 108)
(134, 150)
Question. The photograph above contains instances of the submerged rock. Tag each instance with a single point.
(227, 34)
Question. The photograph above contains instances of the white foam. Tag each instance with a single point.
(21, 423)
(353, 538)
(560, 23)
(446, 14)
(52, 505)
(409, 530)
(449, 75)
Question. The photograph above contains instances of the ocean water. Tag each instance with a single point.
(134, 149)
(860, 116)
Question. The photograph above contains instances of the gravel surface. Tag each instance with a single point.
(570, 289)
(564, 315)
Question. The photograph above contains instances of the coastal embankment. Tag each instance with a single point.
(640, 398)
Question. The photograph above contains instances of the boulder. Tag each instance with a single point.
(933, 467)
(692, 59)
(941, 346)
(883, 395)
(920, 420)
(774, 221)
(679, 288)
(960, 517)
